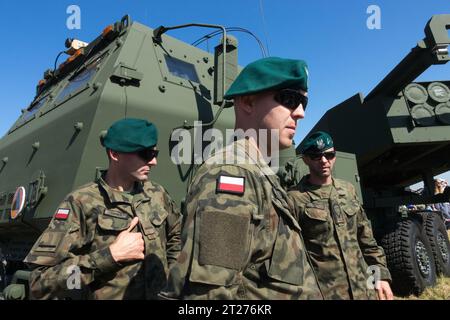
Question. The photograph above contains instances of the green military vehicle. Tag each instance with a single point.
(400, 134)
(130, 70)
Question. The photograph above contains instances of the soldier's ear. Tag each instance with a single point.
(113, 155)
(305, 160)
(245, 103)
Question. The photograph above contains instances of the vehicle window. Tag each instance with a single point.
(80, 80)
(31, 111)
(181, 69)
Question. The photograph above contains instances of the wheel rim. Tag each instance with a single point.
(442, 245)
(423, 260)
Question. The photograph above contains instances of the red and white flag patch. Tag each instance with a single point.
(62, 214)
(234, 185)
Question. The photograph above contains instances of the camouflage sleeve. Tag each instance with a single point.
(173, 230)
(216, 237)
(372, 252)
(59, 265)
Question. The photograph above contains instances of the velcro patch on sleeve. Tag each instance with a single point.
(233, 185)
(62, 214)
(223, 239)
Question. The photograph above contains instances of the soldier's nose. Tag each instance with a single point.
(298, 113)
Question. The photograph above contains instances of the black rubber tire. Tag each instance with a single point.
(402, 246)
(434, 228)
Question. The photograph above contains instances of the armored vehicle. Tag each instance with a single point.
(400, 134)
(130, 70)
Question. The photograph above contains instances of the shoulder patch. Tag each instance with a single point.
(62, 214)
(229, 184)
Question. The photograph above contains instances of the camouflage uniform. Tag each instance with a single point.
(341, 245)
(240, 246)
(97, 215)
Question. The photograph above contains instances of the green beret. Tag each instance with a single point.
(271, 73)
(131, 135)
(317, 142)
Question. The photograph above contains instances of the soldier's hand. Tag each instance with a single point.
(128, 245)
(384, 291)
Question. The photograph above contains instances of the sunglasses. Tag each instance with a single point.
(330, 155)
(291, 99)
(147, 154)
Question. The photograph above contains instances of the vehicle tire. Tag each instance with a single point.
(409, 258)
(435, 230)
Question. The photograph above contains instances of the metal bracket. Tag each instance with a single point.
(36, 189)
(126, 75)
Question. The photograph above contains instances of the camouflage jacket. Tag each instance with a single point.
(77, 242)
(340, 241)
(240, 241)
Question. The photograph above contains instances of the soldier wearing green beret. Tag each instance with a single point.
(336, 230)
(114, 238)
(240, 240)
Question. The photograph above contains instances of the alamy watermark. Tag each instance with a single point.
(73, 282)
(74, 19)
(373, 280)
(211, 146)
(374, 20)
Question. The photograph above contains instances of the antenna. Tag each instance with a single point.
(263, 18)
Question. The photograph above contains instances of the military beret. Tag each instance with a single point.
(131, 135)
(317, 142)
(271, 73)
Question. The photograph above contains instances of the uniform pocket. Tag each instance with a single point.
(151, 226)
(315, 222)
(49, 242)
(316, 214)
(112, 220)
(351, 208)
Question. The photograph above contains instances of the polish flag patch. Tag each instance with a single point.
(62, 214)
(234, 185)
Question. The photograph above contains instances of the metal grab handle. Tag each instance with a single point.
(125, 21)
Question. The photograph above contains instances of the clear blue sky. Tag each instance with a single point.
(344, 56)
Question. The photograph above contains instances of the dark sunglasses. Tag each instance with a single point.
(291, 99)
(147, 154)
(330, 155)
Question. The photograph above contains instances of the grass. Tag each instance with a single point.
(441, 291)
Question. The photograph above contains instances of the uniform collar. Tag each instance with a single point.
(248, 152)
(317, 192)
(281, 199)
(116, 196)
